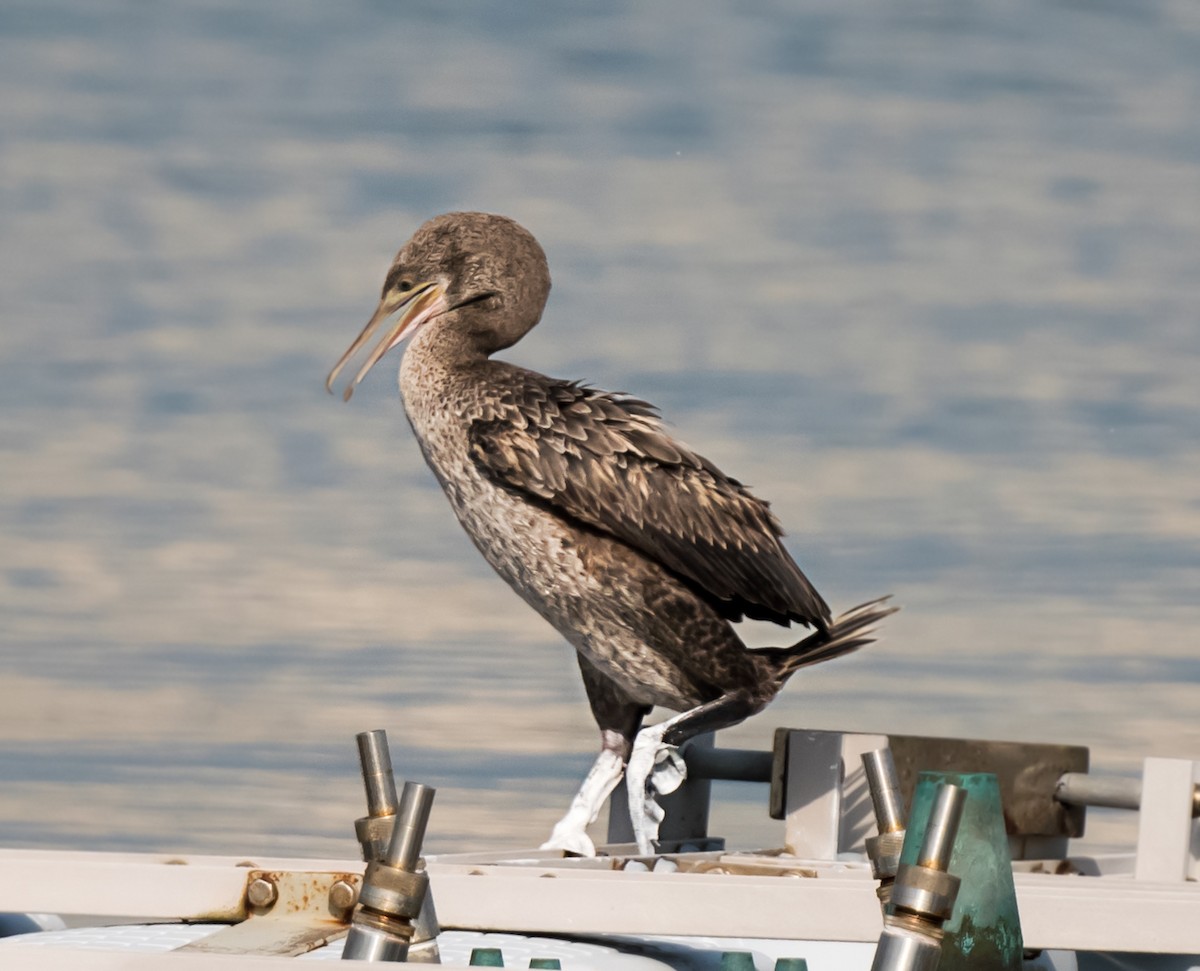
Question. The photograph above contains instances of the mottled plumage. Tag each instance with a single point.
(604, 460)
(635, 548)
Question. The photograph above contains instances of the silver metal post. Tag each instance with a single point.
(884, 850)
(1111, 792)
(394, 892)
(377, 774)
(373, 944)
(374, 830)
(923, 895)
(404, 852)
(884, 783)
(409, 830)
(944, 818)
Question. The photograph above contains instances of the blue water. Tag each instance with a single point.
(926, 275)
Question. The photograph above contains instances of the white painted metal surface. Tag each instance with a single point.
(137, 884)
(1168, 836)
(828, 806)
(838, 904)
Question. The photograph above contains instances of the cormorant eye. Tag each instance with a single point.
(404, 286)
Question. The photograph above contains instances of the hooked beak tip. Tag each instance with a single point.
(331, 378)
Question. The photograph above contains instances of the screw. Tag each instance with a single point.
(261, 892)
(342, 898)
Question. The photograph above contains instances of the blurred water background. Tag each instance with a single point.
(926, 274)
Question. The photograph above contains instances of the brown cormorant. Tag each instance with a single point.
(639, 551)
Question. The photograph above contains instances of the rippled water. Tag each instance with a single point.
(926, 274)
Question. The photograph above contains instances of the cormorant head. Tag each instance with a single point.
(481, 277)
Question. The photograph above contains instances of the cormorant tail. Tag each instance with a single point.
(847, 633)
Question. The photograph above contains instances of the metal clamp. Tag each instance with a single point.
(395, 894)
(924, 893)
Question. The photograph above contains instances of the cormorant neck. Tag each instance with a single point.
(442, 340)
(477, 328)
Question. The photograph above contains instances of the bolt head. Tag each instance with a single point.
(342, 897)
(261, 892)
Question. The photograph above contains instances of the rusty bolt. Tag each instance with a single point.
(261, 892)
(342, 898)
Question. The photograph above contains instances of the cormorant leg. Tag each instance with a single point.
(619, 719)
(655, 767)
(570, 832)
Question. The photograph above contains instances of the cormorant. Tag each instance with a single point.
(639, 551)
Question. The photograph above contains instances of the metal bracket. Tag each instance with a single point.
(1028, 775)
(1168, 835)
(287, 913)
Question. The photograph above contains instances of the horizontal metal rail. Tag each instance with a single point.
(1112, 792)
(1072, 789)
(728, 764)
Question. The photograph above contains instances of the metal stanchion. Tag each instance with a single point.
(923, 894)
(884, 849)
(394, 918)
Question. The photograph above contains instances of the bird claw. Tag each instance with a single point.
(654, 769)
(571, 840)
(570, 832)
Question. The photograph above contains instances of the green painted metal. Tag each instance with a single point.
(984, 932)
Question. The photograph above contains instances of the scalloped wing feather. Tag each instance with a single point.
(605, 460)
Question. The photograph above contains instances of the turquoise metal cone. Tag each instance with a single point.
(984, 932)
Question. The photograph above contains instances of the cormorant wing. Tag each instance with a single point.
(605, 460)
